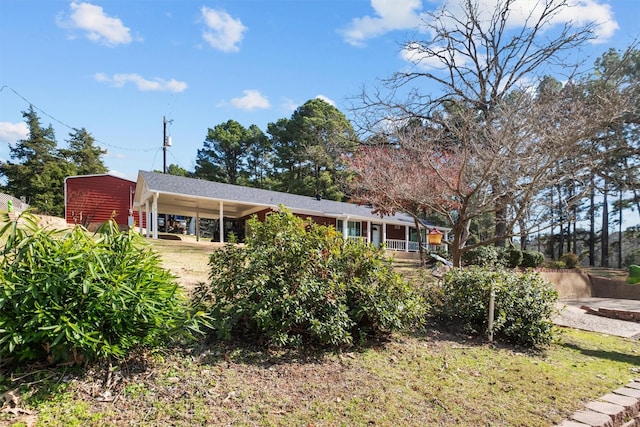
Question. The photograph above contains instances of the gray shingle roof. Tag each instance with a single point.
(164, 183)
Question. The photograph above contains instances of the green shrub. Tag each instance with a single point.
(298, 282)
(67, 295)
(570, 260)
(511, 257)
(483, 256)
(524, 304)
(532, 259)
(555, 264)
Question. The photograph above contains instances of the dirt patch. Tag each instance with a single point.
(54, 222)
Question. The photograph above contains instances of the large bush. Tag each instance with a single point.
(524, 304)
(532, 259)
(570, 260)
(69, 295)
(483, 256)
(510, 257)
(298, 282)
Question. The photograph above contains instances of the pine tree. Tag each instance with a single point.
(84, 154)
(39, 170)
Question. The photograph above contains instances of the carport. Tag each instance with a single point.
(168, 194)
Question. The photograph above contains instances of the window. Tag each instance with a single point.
(354, 228)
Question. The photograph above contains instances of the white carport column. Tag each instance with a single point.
(406, 238)
(221, 222)
(368, 231)
(140, 218)
(154, 215)
(148, 212)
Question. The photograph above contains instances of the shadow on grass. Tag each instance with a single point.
(614, 356)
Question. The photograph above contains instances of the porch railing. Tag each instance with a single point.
(361, 239)
(401, 245)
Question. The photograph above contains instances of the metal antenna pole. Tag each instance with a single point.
(164, 143)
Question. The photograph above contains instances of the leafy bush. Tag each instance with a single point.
(524, 304)
(67, 295)
(491, 256)
(570, 260)
(298, 282)
(511, 257)
(483, 256)
(532, 259)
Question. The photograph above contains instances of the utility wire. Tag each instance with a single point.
(71, 127)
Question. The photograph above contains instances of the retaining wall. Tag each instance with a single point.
(572, 284)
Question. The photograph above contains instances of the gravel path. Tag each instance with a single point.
(572, 316)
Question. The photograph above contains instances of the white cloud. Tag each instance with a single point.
(326, 99)
(289, 105)
(586, 11)
(156, 84)
(98, 26)
(390, 15)
(223, 31)
(577, 13)
(414, 53)
(10, 133)
(251, 100)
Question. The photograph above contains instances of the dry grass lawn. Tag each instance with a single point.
(431, 378)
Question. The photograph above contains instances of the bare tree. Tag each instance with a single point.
(506, 138)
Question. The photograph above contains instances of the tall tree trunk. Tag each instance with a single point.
(423, 257)
(575, 234)
(561, 217)
(604, 235)
(501, 225)
(524, 234)
(552, 251)
(460, 236)
(592, 225)
(620, 230)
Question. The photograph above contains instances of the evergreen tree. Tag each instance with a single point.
(84, 154)
(309, 148)
(259, 158)
(39, 170)
(223, 157)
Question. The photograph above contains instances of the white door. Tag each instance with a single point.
(375, 235)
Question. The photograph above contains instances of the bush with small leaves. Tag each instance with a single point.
(69, 296)
(483, 256)
(524, 304)
(511, 257)
(297, 282)
(570, 260)
(532, 259)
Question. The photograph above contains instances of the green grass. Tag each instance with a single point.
(433, 379)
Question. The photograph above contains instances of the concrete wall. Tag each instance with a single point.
(602, 287)
(576, 284)
(569, 283)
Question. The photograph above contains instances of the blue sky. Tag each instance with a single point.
(117, 67)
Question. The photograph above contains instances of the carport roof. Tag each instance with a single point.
(186, 196)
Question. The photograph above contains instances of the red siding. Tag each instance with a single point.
(93, 199)
(395, 232)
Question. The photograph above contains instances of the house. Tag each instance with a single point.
(158, 194)
(90, 200)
